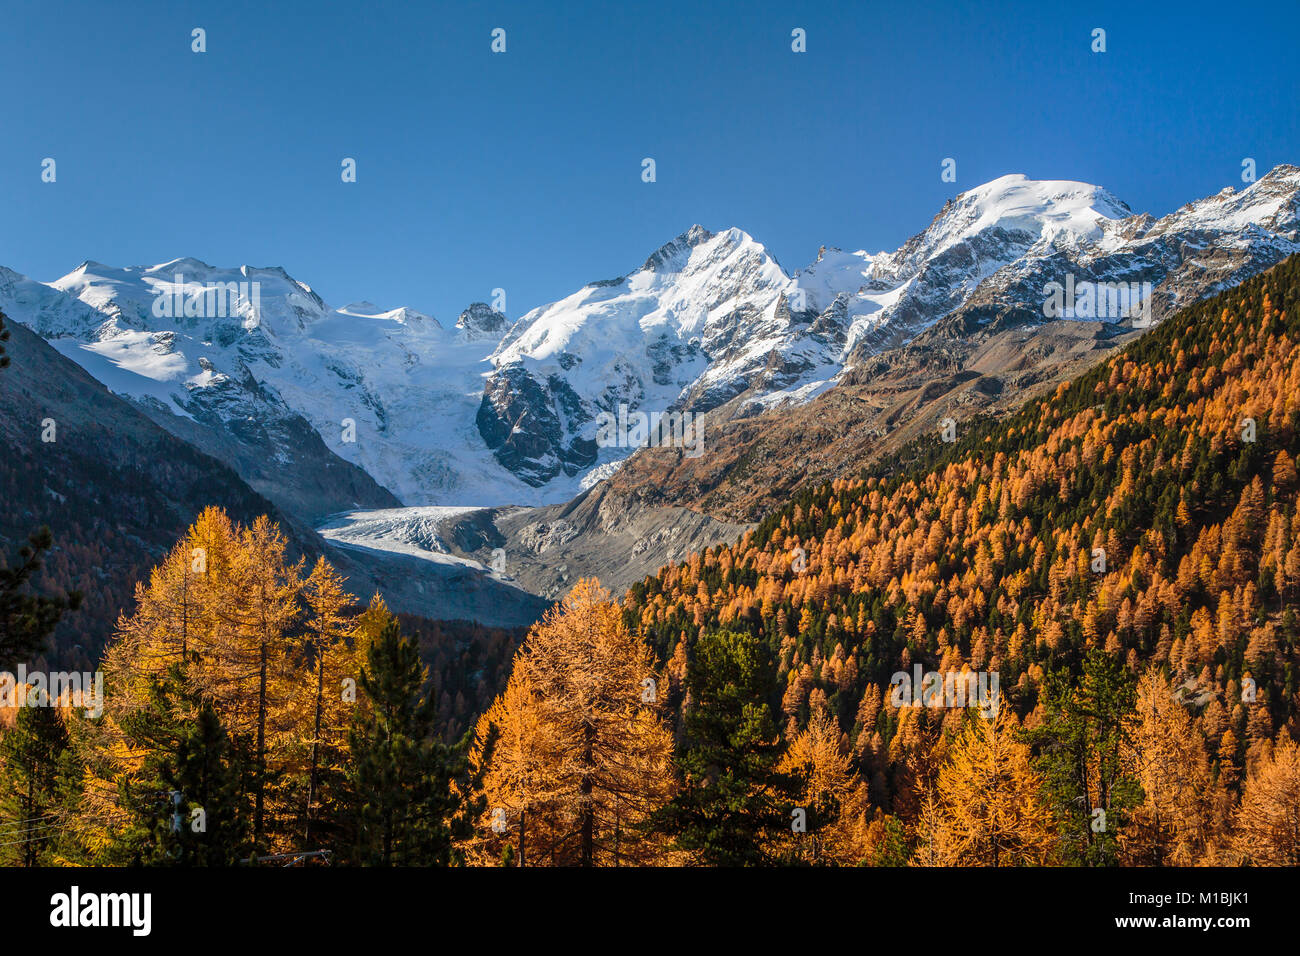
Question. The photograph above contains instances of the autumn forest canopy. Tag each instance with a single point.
(1116, 565)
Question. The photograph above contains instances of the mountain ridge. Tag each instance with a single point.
(710, 323)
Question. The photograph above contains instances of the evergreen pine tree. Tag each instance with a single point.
(186, 804)
(33, 754)
(1079, 748)
(734, 804)
(26, 619)
(401, 802)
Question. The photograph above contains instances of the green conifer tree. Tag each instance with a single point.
(34, 757)
(734, 807)
(186, 804)
(401, 804)
(1078, 748)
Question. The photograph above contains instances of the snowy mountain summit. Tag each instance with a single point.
(481, 322)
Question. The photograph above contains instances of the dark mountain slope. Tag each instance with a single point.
(116, 490)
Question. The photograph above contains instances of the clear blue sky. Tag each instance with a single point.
(523, 170)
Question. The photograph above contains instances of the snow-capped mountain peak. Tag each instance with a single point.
(1271, 204)
(492, 412)
(481, 322)
(400, 315)
(669, 256)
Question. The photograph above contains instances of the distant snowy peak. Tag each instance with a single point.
(1198, 250)
(672, 256)
(1053, 213)
(492, 412)
(690, 287)
(191, 291)
(892, 295)
(256, 358)
(481, 322)
(1269, 205)
(400, 316)
(712, 316)
(696, 324)
(1011, 216)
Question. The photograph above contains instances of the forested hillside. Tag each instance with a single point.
(1142, 515)
(254, 685)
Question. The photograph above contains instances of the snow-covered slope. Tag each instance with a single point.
(1198, 250)
(389, 391)
(893, 296)
(712, 317)
(492, 412)
(697, 324)
(709, 317)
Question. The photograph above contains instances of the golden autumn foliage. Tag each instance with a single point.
(987, 807)
(819, 754)
(1174, 823)
(267, 645)
(1147, 509)
(1145, 515)
(1268, 820)
(575, 754)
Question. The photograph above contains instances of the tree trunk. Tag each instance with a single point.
(588, 808)
(29, 812)
(185, 615)
(261, 743)
(315, 741)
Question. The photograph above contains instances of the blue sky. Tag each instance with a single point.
(522, 170)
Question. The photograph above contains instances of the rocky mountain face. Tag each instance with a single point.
(712, 318)
(904, 370)
(601, 533)
(337, 409)
(481, 322)
(1207, 246)
(662, 505)
(798, 375)
(757, 461)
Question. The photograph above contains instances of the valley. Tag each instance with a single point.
(421, 450)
